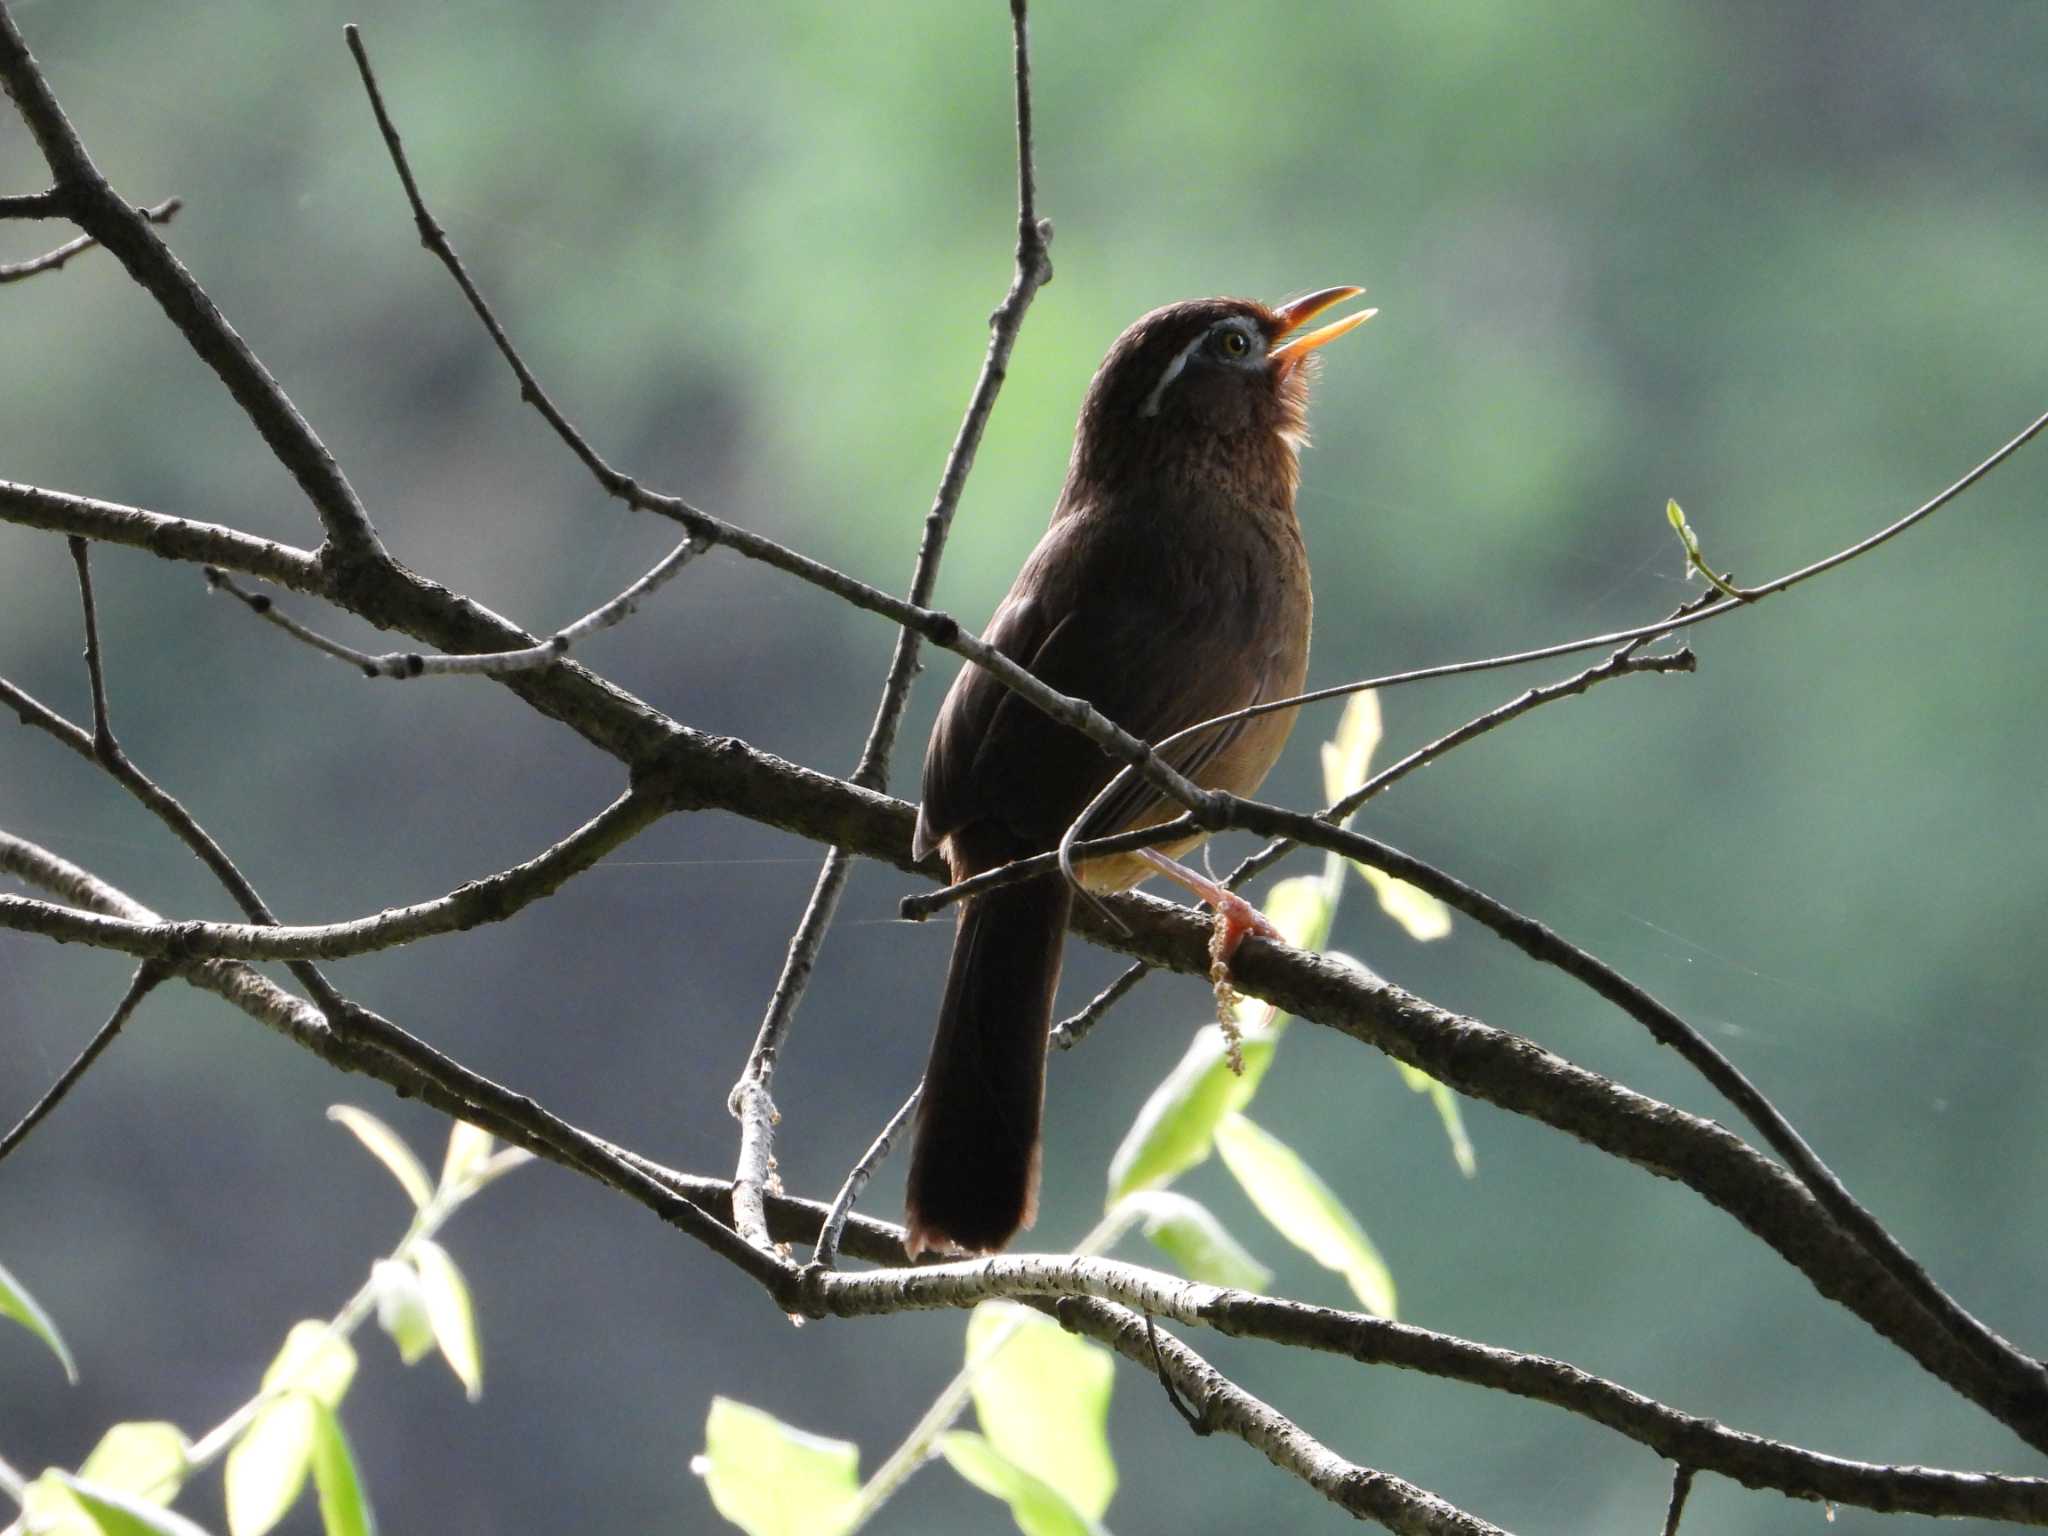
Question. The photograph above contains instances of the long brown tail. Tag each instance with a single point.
(974, 1169)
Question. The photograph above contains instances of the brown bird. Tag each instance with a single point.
(1172, 586)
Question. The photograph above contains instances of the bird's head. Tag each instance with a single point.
(1207, 386)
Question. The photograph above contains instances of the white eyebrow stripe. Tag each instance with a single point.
(1180, 361)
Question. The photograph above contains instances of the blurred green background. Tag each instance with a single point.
(1782, 262)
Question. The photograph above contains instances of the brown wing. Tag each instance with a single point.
(1108, 610)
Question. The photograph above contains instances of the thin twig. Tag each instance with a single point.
(923, 904)
(1227, 1408)
(51, 261)
(1622, 663)
(147, 975)
(492, 899)
(410, 664)
(1681, 1486)
(103, 744)
(1198, 1423)
(104, 748)
(1203, 811)
(1070, 1032)
(52, 204)
(1685, 618)
(751, 1099)
(827, 1251)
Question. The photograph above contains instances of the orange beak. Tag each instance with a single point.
(1301, 311)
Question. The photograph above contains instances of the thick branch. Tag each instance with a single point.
(1701, 1443)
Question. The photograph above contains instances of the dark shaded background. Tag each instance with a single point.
(1783, 263)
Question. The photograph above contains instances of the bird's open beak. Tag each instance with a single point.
(1301, 311)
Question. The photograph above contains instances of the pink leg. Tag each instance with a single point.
(1236, 918)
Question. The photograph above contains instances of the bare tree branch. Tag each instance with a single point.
(827, 1250)
(52, 261)
(146, 977)
(169, 538)
(493, 899)
(51, 204)
(1681, 1487)
(410, 664)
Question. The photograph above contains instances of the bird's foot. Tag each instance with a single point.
(1236, 921)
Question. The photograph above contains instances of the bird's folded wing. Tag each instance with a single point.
(1154, 670)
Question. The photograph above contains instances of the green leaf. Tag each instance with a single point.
(1348, 755)
(344, 1508)
(15, 1302)
(1173, 1128)
(1304, 1210)
(1188, 1232)
(48, 1508)
(385, 1146)
(1038, 1508)
(771, 1479)
(1693, 557)
(1447, 1111)
(449, 1312)
(402, 1308)
(1414, 909)
(315, 1360)
(266, 1469)
(1042, 1396)
(147, 1458)
(469, 1147)
(117, 1512)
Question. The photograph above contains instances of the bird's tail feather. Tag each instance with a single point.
(974, 1167)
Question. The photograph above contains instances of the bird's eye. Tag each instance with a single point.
(1233, 342)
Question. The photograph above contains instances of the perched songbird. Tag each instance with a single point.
(1171, 587)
